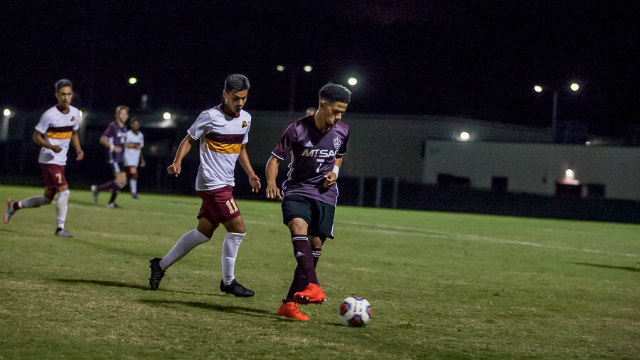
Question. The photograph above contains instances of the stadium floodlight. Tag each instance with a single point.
(574, 86)
(307, 68)
(352, 81)
(6, 112)
(166, 115)
(280, 68)
(132, 80)
(537, 88)
(465, 136)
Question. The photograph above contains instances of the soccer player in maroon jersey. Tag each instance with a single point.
(57, 128)
(317, 144)
(114, 138)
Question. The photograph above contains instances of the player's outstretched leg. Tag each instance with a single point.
(10, 211)
(156, 273)
(290, 309)
(234, 288)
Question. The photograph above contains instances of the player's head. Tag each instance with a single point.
(310, 111)
(134, 124)
(236, 89)
(122, 113)
(334, 99)
(64, 92)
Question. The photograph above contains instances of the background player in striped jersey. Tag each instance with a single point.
(134, 142)
(222, 132)
(309, 196)
(57, 127)
(113, 139)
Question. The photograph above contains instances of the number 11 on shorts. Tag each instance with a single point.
(231, 204)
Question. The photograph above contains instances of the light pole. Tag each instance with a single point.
(4, 130)
(554, 112)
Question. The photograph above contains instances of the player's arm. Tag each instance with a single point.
(75, 141)
(104, 141)
(332, 176)
(142, 162)
(39, 139)
(183, 150)
(243, 159)
(273, 192)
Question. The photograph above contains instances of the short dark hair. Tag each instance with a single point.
(334, 92)
(62, 83)
(236, 82)
(135, 119)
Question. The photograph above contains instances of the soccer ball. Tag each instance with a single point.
(354, 311)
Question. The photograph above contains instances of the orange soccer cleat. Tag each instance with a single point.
(312, 294)
(290, 310)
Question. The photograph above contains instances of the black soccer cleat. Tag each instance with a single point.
(156, 273)
(236, 289)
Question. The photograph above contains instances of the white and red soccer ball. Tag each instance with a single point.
(355, 311)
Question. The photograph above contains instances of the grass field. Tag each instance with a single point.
(442, 286)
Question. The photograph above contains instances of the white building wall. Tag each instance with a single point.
(535, 168)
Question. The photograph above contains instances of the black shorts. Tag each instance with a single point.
(317, 214)
(117, 167)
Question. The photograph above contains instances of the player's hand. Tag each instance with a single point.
(273, 193)
(55, 148)
(330, 179)
(80, 154)
(117, 149)
(143, 163)
(255, 183)
(174, 169)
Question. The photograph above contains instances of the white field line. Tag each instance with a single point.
(403, 230)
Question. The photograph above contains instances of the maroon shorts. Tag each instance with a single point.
(53, 175)
(218, 206)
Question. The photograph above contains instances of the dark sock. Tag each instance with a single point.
(16, 205)
(114, 193)
(304, 257)
(316, 256)
(298, 284)
(106, 186)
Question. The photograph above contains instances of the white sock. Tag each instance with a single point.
(230, 248)
(133, 184)
(120, 186)
(186, 243)
(34, 202)
(61, 208)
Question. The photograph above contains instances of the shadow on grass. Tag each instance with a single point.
(111, 248)
(216, 307)
(627, 268)
(124, 285)
(86, 203)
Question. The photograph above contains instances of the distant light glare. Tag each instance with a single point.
(588, 143)
(166, 115)
(574, 87)
(307, 68)
(537, 88)
(280, 68)
(464, 136)
(6, 112)
(352, 81)
(569, 174)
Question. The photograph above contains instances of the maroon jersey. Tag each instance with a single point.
(116, 136)
(313, 154)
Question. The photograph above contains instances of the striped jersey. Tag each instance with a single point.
(132, 156)
(221, 139)
(57, 129)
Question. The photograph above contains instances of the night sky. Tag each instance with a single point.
(477, 59)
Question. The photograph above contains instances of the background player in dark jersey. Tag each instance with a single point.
(317, 144)
(57, 128)
(114, 138)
